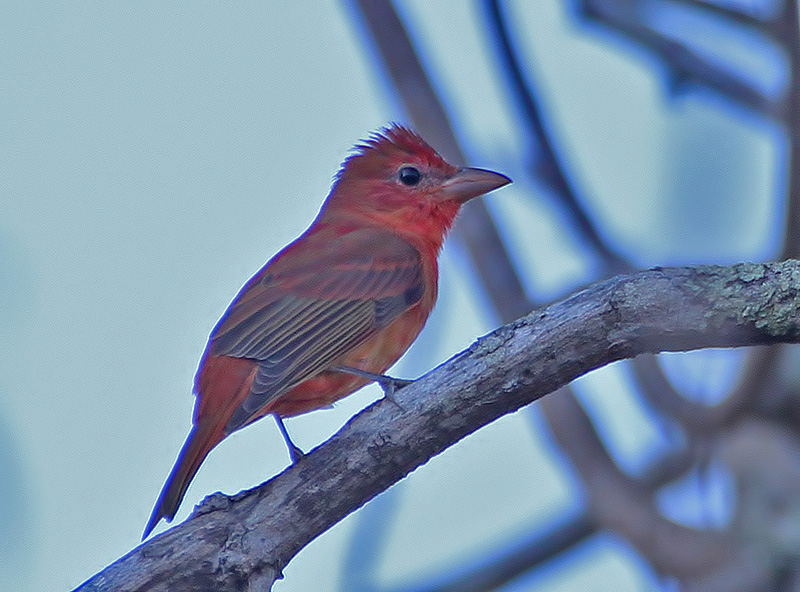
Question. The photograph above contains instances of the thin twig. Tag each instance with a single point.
(548, 168)
(733, 14)
(791, 238)
(684, 65)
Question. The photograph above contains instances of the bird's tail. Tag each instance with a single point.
(203, 437)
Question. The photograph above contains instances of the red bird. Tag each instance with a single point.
(338, 306)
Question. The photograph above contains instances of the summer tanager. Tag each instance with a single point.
(338, 306)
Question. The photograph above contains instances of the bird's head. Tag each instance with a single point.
(395, 178)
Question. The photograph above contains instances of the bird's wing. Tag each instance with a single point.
(319, 299)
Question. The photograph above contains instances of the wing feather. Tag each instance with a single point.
(302, 312)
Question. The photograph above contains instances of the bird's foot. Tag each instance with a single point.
(389, 385)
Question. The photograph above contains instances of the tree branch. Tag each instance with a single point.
(791, 37)
(547, 165)
(625, 506)
(480, 575)
(766, 25)
(684, 64)
(243, 542)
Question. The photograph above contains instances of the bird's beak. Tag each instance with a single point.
(468, 183)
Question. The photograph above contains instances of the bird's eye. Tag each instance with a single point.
(409, 176)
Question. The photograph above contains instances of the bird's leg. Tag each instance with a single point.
(294, 452)
(388, 384)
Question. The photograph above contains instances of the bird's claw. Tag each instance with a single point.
(389, 385)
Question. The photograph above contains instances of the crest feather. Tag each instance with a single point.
(392, 144)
